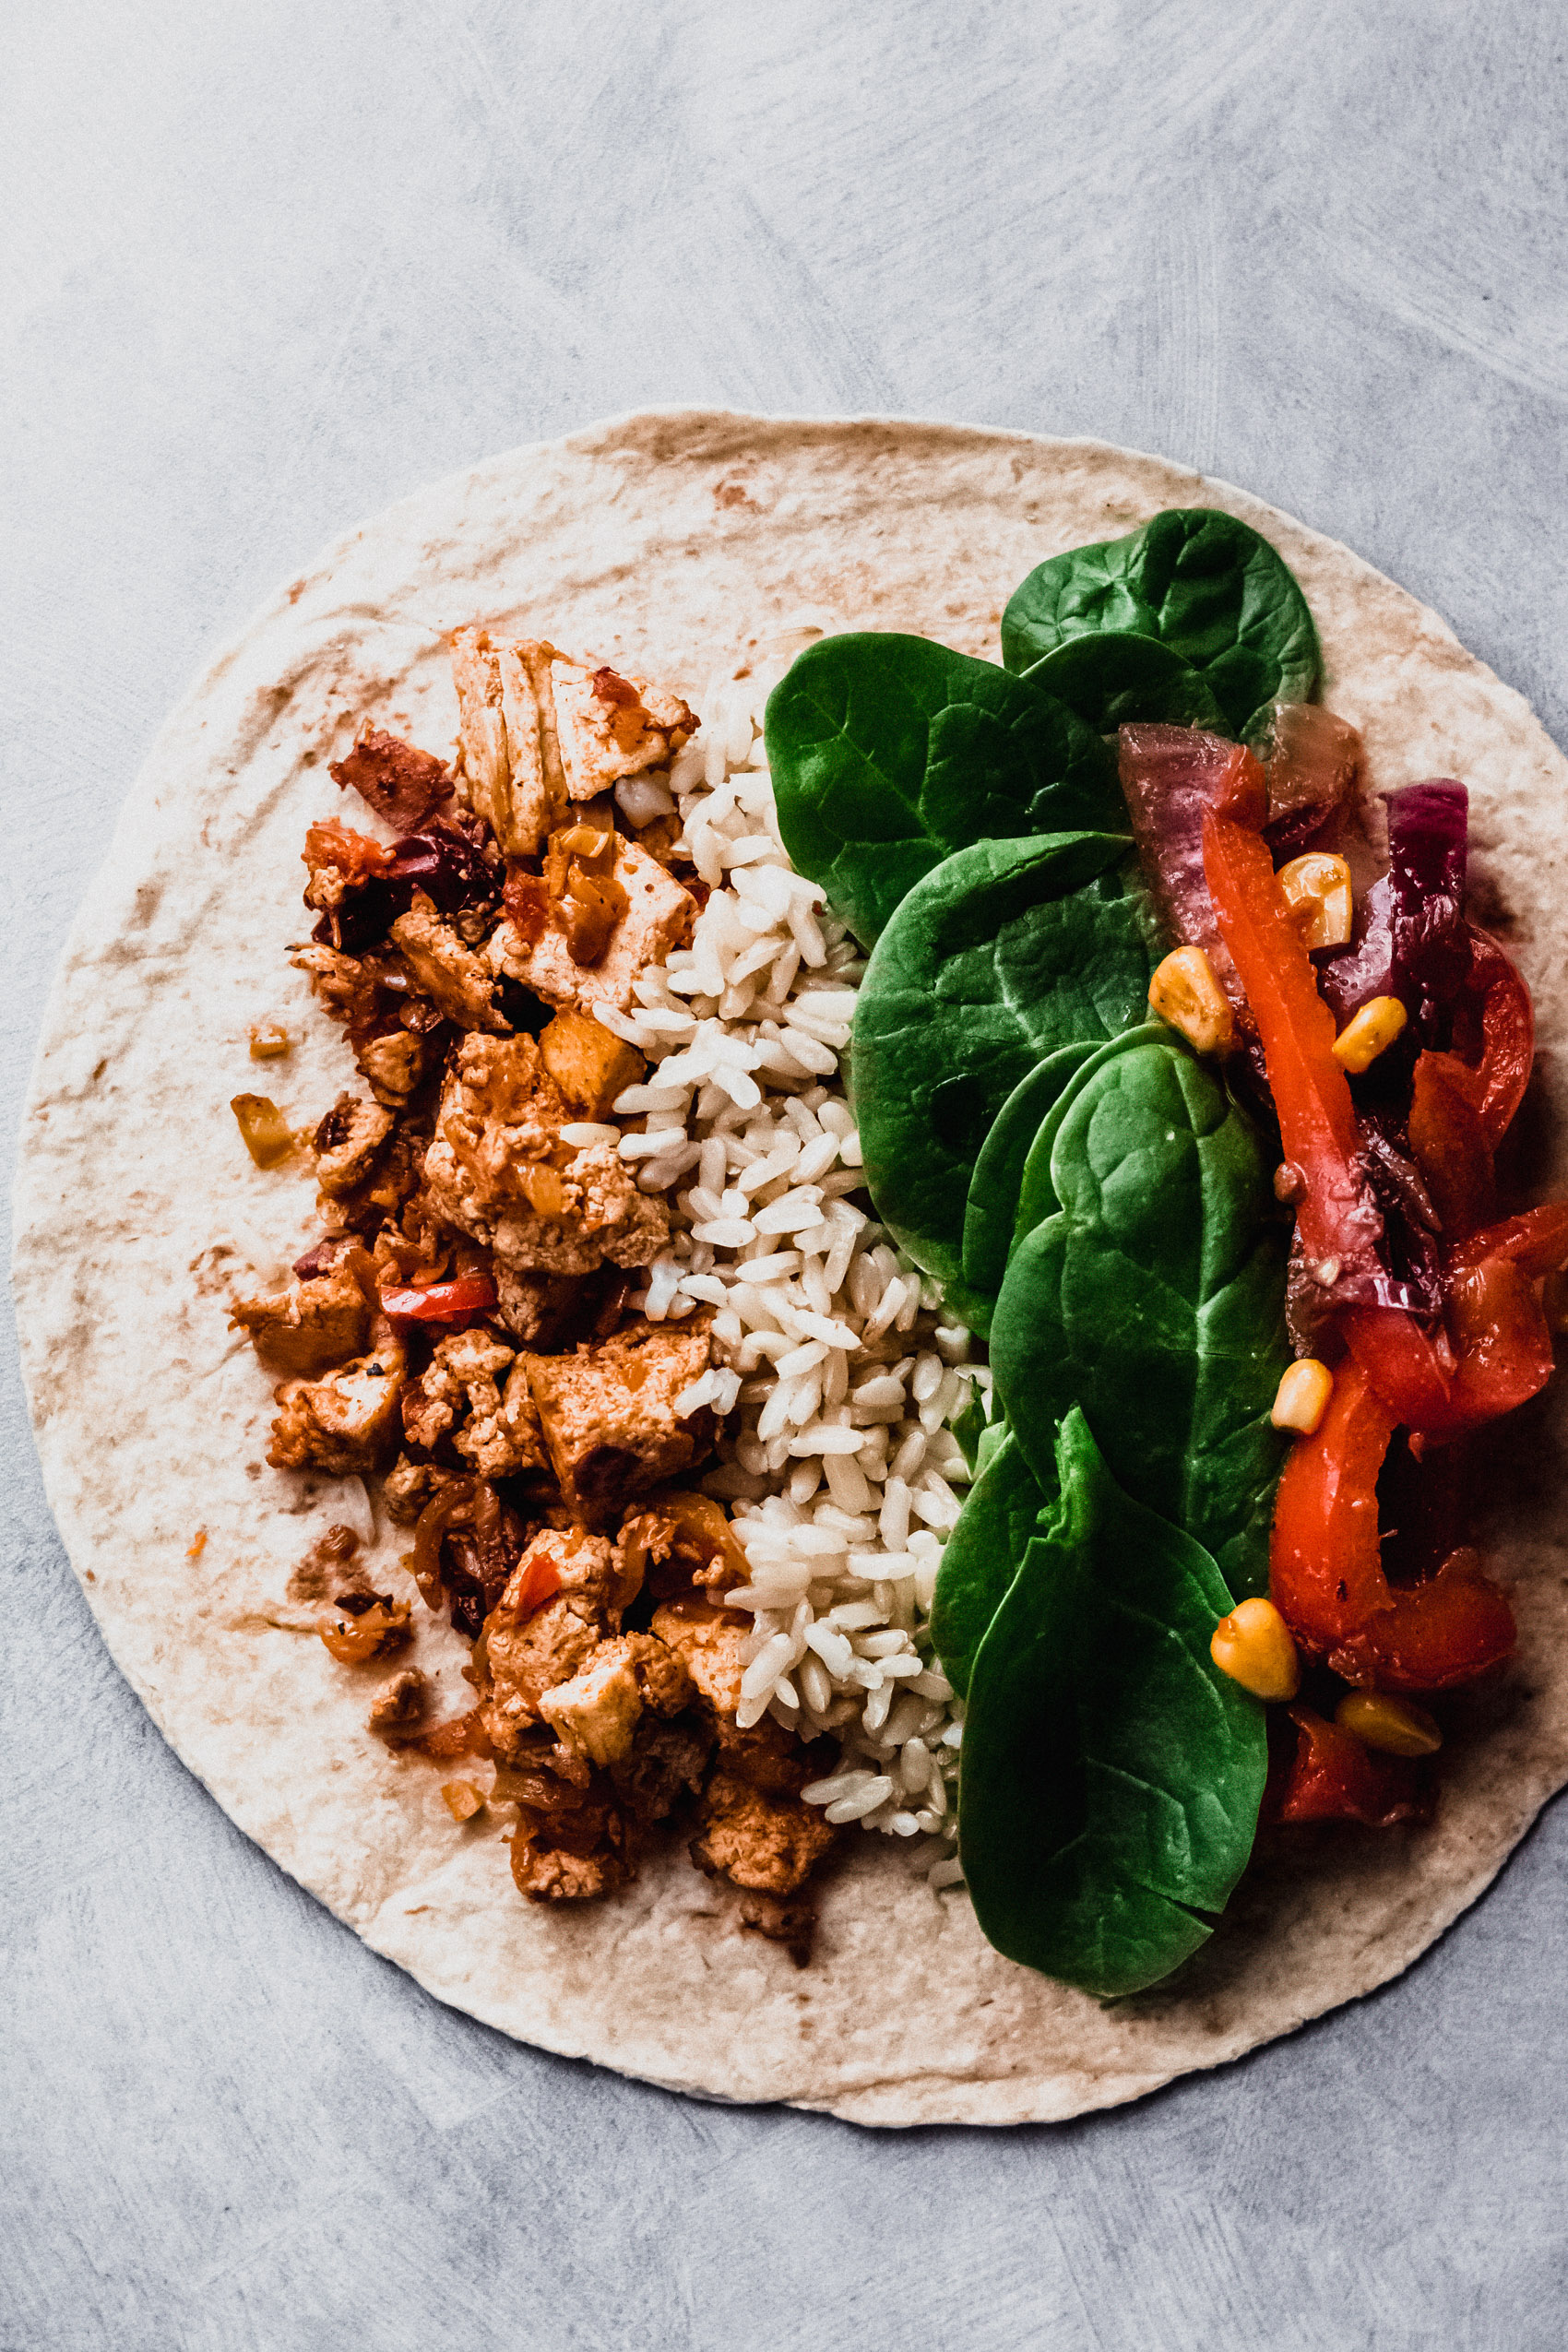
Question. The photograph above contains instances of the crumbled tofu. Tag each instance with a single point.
(348, 1142)
(757, 1839)
(597, 1711)
(531, 1305)
(309, 1326)
(394, 1065)
(589, 1065)
(456, 979)
(530, 1648)
(710, 1643)
(498, 1170)
(610, 727)
(507, 727)
(526, 1656)
(399, 1705)
(594, 1863)
(473, 1391)
(658, 918)
(609, 1416)
(346, 1424)
(408, 1487)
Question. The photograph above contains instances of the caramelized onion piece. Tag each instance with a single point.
(268, 1136)
(368, 1625)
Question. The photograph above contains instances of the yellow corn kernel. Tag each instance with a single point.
(463, 1800)
(1317, 889)
(1185, 993)
(1393, 1724)
(1254, 1647)
(1367, 1033)
(1302, 1398)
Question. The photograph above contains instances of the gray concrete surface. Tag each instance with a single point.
(265, 269)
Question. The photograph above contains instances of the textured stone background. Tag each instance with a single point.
(267, 268)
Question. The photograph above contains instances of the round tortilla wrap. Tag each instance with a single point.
(667, 543)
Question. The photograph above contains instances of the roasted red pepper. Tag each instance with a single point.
(1494, 1034)
(1337, 1219)
(457, 1302)
(1496, 1351)
(1332, 1776)
(1325, 1565)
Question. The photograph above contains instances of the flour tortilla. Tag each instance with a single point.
(666, 543)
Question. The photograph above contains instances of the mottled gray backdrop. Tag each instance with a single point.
(269, 267)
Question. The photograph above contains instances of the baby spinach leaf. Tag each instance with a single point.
(1003, 954)
(1117, 680)
(888, 753)
(981, 1557)
(992, 1199)
(1036, 1198)
(1112, 1774)
(1206, 584)
(1154, 1299)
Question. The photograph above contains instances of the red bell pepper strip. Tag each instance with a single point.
(1325, 1565)
(1420, 1375)
(1497, 1004)
(1337, 1219)
(1334, 1777)
(1449, 1143)
(455, 1301)
(1496, 1351)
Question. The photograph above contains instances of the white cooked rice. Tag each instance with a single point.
(830, 1350)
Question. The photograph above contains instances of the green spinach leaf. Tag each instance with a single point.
(1116, 678)
(1005, 952)
(1035, 1198)
(981, 1557)
(992, 1201)
(1112, 1776)
(1206, 584)
(888, 753)
(1154, 1299)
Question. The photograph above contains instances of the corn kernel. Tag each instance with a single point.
(1367, 1033)
(1317, 889)
(1302, 1398)
(1393, 1724)
(269, 1039)
(463, 1800)
(1254, 1647)
(1185, 993)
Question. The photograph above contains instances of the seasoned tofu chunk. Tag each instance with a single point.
(532, 1644)
(589, 1065)
(347, 1424)
(511, 757)
(473, 1391)
(710, 1643)
(658, 917)
(394, 1065)
(596, 1712)
(609, 727)
(457, 981)
(609, 1417)
(348, 1143)
(756, 1839)
(312, 1325)
(498, 1169)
